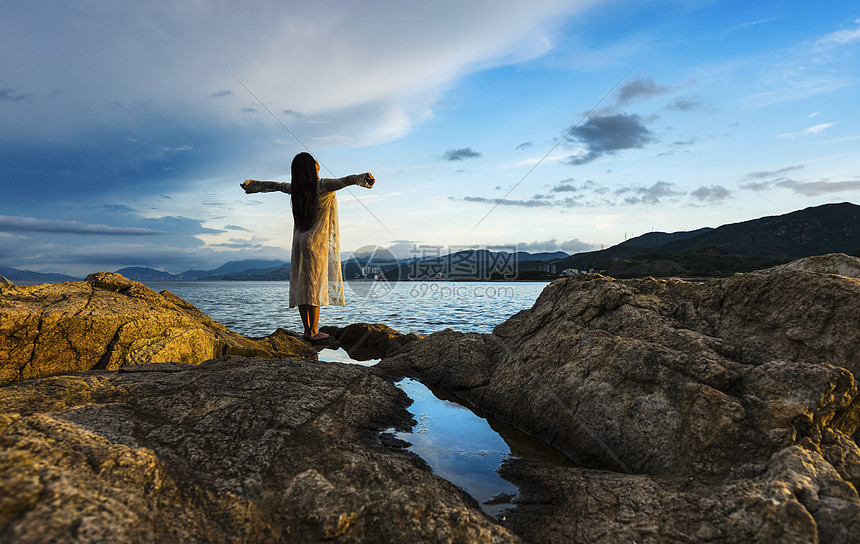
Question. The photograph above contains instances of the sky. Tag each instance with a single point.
(127, 127)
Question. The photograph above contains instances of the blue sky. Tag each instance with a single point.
(124, 135)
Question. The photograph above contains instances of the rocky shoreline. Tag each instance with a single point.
(107, 322)
(723, 411)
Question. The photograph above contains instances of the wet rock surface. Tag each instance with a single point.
(719, 411)
(365, 341)
(233, 450)
(108, 322)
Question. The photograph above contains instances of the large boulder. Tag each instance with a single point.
(365, 341)
(108, 322)
(744, 386)
(232, 450)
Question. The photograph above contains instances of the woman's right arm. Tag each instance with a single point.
(254, 186)
(364, 180)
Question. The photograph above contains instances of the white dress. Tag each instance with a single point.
(315, 275)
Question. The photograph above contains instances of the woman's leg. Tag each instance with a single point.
(311, 321)
(314, 319)
(306, 320)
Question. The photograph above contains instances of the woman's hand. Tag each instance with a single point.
(369, 179)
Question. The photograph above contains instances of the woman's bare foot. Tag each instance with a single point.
(318, 336)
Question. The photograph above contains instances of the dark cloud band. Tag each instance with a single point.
(30, 224)
(609, 134)
(460, 154)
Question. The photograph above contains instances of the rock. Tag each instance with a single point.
(108, 322)
(500, 498)
(232, 450)
(834, 263)
(800, 498)
(5, 281)
(283, 342)
(744, 386)
(365, 341)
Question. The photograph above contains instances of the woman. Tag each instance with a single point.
(315, 276)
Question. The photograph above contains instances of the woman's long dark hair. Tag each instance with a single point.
(304, 194)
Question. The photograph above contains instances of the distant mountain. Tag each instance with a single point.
(141, 273)
(231, 267)
(15, 275)
(281, 273)
(240, 269)
(473, 264)
(657, 239)
(737, 247)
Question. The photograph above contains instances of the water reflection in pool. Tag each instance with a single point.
(459, 445)
(462, 445)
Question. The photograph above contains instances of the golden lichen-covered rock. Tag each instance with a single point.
(108, 322)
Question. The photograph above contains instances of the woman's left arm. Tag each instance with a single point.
(364, 180)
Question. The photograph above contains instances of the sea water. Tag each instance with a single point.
(258, 308)
(461, 445)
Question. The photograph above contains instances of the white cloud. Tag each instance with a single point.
(762, 174)
(816, 129)
(365, 71)
(837, 39)
(536, 160)
(809, 68)
(752, 23)
(574, 245)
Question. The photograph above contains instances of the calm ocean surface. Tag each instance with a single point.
(257, 308)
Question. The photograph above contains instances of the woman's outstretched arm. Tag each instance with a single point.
(364, 180)
(254, 186)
